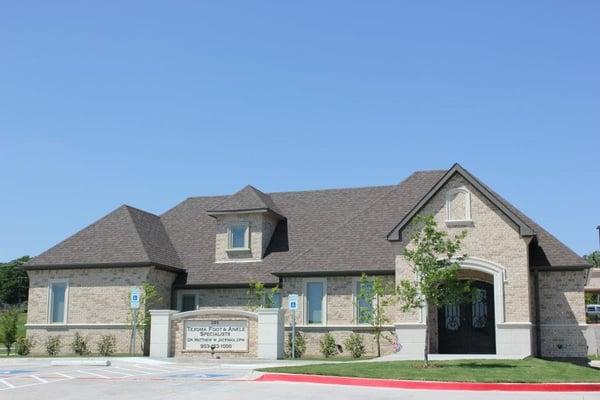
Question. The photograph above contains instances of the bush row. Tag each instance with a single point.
(354, 344)
(106, 346)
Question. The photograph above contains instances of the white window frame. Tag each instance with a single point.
(246, 226)
(449, 195)
(51, 300)
(355, 282)
(323, 302)
(180, 294)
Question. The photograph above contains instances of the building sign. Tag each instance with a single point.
(216, 335)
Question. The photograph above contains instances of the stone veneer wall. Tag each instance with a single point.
(97, 304)
(562, 314)
(341, 314)
(231, 298)
(490, 236)
(262, 226)
(178, 332)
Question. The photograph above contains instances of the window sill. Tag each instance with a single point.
(238, 250)
(462, 222)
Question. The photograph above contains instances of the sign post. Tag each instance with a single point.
(293, 306)
(134, 299)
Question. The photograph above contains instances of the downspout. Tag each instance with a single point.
(538, 328)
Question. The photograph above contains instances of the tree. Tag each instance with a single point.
(375, 295)
(593, 258)
(8, 328)
(141, 319)
(435, 261)
(261, 297)
(14, 283)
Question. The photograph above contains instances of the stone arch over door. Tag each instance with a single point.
(485, 274)
(498, 273)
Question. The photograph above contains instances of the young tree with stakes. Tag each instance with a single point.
(435, 261)
(375, 295)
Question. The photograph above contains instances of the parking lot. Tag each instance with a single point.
(144, 379)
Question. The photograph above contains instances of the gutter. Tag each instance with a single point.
(103, 265)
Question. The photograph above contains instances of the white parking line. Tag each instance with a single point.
(37, 378)
(93, 374)
(113, 372)
(153, 368)
(134, 370)
(9, 385)
(65, 375)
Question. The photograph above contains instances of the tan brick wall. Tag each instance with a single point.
(341, 314)
(231, 298)
(562, 314)
(178, 333)
(340, 302)
(491, 236)
(261, 229)
(96, 296)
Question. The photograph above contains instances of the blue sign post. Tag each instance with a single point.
(134, 300)
(293, 306)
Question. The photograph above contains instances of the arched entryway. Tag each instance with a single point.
(469, 327)
(487, 276)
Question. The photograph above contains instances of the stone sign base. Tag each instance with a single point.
(219, 333)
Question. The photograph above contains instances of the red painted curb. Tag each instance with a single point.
(432, 385)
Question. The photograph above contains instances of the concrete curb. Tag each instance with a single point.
(431, 385)
(62, 363)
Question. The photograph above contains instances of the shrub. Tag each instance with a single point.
(355, 345)
(328, 346)
(8, 328)
(300, 347)
(79, 345)
(107, 345)
(53, 345)
(24, 345)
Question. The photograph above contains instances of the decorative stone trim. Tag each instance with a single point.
(204, 312)
(84, 325)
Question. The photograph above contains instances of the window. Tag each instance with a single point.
(187, 300)
(362, 306)
(239, 237)
(315, 301)
(277, 300)
(58, 302)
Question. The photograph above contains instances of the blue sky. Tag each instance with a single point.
(147, 103)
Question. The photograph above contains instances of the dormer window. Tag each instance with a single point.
(458, 207)
(239, 237)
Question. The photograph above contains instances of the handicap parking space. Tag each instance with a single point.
(12, 379)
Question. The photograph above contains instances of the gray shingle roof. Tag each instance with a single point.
(126, 235)
(249, 198)
(324, 231)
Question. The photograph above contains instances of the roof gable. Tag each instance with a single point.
(524, 229)
(247, 199)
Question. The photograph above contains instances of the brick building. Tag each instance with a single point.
(203, 253)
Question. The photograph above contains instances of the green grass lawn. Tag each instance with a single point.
(528, 370)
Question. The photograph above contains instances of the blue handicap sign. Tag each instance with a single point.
(14, 371)
(196, 375)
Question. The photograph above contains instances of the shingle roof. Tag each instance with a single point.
(126, 235)
(324, 231)
(247, 199)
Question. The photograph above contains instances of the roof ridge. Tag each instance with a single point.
(139, 209)
(137, 230)
(351, 218)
